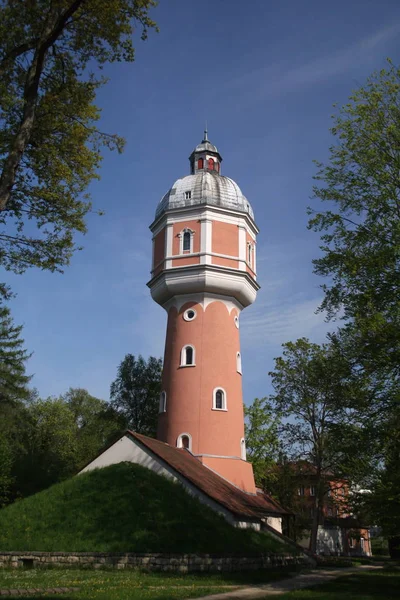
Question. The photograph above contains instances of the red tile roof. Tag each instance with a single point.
(218, 489)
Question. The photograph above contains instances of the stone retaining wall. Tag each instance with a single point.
(183, 563)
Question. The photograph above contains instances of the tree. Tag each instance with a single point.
(53, 439)
(50, 450)
(262, 441)
(136, 391)
(13, 379)
(96, 423)
(50, 148)
(313, 389)
(361, 254)
(361, 239)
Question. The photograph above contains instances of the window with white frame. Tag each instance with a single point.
(243, 449)
(188, 195)
(300, 490)
(313, 490)
(219, 399)
(186, 241)
(238, 362)
(188, 356)
(184, 441)
(163, 402)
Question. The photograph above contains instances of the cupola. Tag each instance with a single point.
(205, 157)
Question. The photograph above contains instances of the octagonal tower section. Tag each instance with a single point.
(204, 275)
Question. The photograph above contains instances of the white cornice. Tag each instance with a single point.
(203, 279)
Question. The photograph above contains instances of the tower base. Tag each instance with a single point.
(237, 471)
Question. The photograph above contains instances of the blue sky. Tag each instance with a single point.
(264, 75)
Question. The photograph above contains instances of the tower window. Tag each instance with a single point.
(249, 254)
(210, 164)
(238, 362)
(200, 163)
(219, 399)
(189, 314)
(236, 320)
(186, 241)
(184, 441)
(188, 356)
(163, 402)
(188, 195)
(243, 449)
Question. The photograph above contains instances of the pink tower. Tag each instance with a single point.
(203, 275)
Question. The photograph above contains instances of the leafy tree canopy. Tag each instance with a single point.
(136, 391)
(314, 390)
(50, 148)
(361, 227)
(262, 442)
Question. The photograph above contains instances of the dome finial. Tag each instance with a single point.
(205, 138)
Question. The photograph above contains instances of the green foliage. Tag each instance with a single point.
(262, 441)
(13, 380)
(314, 389)
(59, 436)
(96, 423)
(6, 463)
(50, 148)
(361, 258)
(122, 508)
(136, 391)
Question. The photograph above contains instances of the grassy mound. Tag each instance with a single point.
(123, 508)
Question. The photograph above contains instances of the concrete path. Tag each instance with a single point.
(277, 588)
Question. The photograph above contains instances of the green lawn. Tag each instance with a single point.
(123, 508)
(131, 585)
(366, 585)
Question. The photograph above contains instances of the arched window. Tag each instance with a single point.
(188, 356)
(217, 167)
(186, 241)
(184, 441)
(219, 399)
(211, 164)
(200, 163)
(238, 363)
(243, 449)
(163, 402)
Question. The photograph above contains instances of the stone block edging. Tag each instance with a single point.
(183, 563)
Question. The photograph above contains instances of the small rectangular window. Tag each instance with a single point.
(300, 491)
(188, 195)
(312, 490)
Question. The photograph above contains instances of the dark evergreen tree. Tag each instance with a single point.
(13, 378)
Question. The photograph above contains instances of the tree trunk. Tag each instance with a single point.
(52, 30)
(314, 526)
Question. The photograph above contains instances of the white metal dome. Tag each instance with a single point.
(205, 187)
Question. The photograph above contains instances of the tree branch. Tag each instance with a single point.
(52, 31)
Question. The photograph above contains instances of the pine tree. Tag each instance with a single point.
(13, 379)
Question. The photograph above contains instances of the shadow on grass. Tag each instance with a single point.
(384, 585)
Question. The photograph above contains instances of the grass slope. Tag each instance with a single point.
(122, 508)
